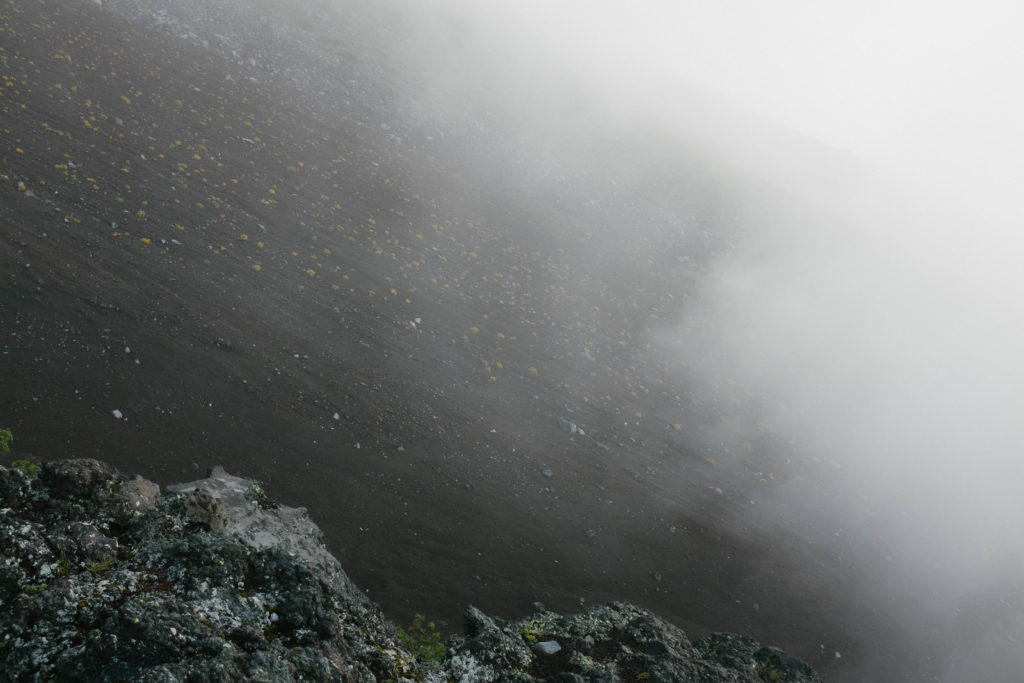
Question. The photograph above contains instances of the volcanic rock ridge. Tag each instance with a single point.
(108, 578)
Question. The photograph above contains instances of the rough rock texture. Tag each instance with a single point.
(106, 578)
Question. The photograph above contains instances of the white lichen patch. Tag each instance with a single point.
(466, 668)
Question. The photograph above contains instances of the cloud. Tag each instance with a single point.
(880, 308)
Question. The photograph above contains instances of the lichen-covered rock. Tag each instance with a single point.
(490, 651)
(102, 579)
(613, 642)
(83, 480)
(770, 663)
(137, 495)
(200, 506)
(105, 578)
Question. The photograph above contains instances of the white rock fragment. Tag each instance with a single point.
(118, 414)
(547, 647)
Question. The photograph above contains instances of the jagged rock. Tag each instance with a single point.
(90, 593)
(770, 663)
(201, 507)
(137, 495)
(613, 642)
(84, 480)
(103, 579)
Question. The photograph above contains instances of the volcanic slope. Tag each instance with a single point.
(203, 265)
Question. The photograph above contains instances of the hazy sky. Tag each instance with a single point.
(881, 77)
(931, 90)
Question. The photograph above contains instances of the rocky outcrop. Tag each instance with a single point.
(109, 578)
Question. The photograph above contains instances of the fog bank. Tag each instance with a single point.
(879, 322)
